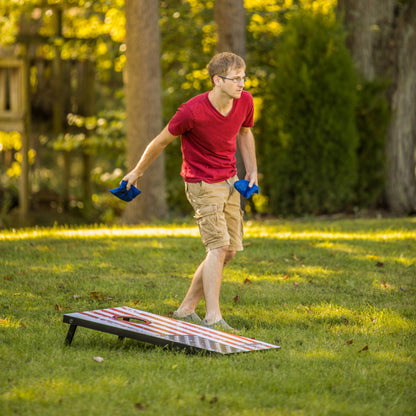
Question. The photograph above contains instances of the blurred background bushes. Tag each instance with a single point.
(320, 129)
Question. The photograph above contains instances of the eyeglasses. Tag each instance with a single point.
(236, 80)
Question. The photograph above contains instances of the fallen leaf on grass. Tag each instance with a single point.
(8, 278)
(58, 308)
(345, 320)
(247, 281)
(295, 284)
(286, 276)
(213, 400)
(379, 264)
(236, 299)
(96, 296)
(349, 342)
(98, 359)
(140, 406)
(364, 349)
(385, 284)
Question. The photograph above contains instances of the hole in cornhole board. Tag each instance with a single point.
(132, 319)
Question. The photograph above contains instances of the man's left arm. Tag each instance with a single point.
(248, 153)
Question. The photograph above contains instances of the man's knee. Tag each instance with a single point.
(219, 251)
(229, 256)
(223, 252)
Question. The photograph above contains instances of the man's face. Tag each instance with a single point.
(233, 83)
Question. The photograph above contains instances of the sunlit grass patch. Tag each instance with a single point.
(331, 231)
(366, 320)
(46, 389)
(171, 230)
(10, 322)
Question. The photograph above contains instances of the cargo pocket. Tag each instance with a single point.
(193, 191)
(209, 223)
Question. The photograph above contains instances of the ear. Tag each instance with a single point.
(216, 80)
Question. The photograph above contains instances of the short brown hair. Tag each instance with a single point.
(223, 62)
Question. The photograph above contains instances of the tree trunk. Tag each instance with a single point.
(58, 109)
(401, 143)
(382, 39)
(230, 19)
(142, 80)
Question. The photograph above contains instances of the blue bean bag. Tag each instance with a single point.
(124, 194)
(242, 187)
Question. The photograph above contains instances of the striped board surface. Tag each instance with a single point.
(160, 330)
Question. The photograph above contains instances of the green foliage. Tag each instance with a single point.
(308, 153)
(11, 142)
(91, 29)
(372, 117)
(103, 135)
(299, 77)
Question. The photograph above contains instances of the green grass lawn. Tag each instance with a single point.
(337, 296)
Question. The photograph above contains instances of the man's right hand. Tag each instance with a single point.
(131, 178)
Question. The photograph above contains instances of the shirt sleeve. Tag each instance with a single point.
(182, 121)
(249, 121)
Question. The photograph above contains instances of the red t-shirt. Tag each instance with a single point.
(208, 139)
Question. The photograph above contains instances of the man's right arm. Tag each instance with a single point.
(153, 150)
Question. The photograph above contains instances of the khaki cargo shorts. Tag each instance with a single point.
(218, 213)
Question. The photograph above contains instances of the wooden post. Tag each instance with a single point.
(87, 108)
(25, 100)
(15, 114)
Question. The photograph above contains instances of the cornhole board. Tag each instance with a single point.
(160, 330)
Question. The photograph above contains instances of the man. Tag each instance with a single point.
(209, 125)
